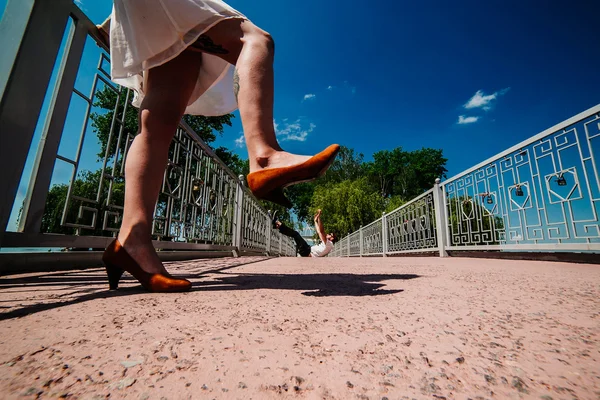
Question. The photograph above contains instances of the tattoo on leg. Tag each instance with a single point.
(204, 43)
(236, 83)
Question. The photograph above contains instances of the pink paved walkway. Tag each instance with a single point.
(371, 328)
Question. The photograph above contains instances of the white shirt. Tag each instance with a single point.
(321, 249)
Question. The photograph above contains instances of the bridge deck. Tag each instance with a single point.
(328, 328)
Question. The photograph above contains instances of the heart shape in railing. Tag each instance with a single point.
(466, 208)
(519, 196)
(173, 179)
(197, 186)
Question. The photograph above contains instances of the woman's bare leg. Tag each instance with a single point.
(168, 90)
(251, 50)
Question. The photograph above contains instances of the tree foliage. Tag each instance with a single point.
(85, 186)
(406, 174)
(348, 165)
(346, 205)
(206, 127)
(391, 179)
(301, 195)
(235, 163)
(394, 202)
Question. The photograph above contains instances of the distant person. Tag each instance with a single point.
(197, 57)
(303, 248)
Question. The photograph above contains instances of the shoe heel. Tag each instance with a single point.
(114, 275)
(278, 197)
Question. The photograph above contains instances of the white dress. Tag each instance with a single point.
(148, 33)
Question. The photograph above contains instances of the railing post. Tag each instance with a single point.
(41, 174)
(239, 210)
(280, 243)
(269, 233)
(384, 244)
(348, 240)
(440, 221)
(360, 236)
(26, 75)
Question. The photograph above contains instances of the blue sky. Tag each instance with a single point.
(402, 72)
(378, 75)
(472, 78)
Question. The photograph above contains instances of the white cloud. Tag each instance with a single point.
(462, 120)
(241, 141)
(292, 131)
(329, 87)
(309, 96)
(481, 100)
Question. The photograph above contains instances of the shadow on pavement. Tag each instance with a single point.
(32, 294)
(312, 284)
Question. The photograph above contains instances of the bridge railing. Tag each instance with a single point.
(541, 195)
(56, 93)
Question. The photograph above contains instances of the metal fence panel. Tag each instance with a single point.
(254, 225)
(372, 236)
(354, 243)
(342, 247)
(540, 195)
(412, 226)
(544, 194)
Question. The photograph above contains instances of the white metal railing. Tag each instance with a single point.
(202, 204)
(354, 244)
(411, 227)
(542, 194)
(372, 238)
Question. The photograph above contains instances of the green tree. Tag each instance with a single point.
(427, 165)
(394, 202)
(106, 99)
(301, 196)
(85, 186)
(406, 174)
(238, 165)
(388, 171)
(348, 165)
(55, 204)
(347, 205)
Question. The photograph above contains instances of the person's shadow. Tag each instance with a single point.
(310, 284)
(67, 288)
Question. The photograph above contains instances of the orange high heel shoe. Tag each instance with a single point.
(117, 260)
(268, 184)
